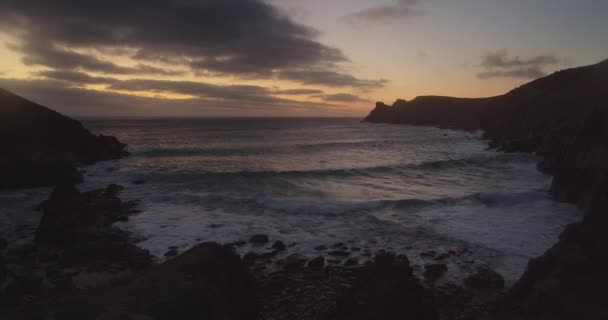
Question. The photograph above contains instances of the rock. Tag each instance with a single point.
(339, 253)
(321, 248)
(355, 249)
(442, 256)
(70, 216)
(279, 245)
(435, 270)
(3, 245)
(249, 258)
(351, 262)
(171, 253)
(429, 254)
(259, 239)
(384, 257)
(268, 255)
(316, 263)
(385, 291)
(41, 147)
(205, 282)
(485, 279)
(138, 182)
(294, 261)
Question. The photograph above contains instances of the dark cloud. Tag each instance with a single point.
(82, 102)
(343, 97)
(402, 9)
(501, 59)
(299, 91)
(46, 54)
(233, 37)
(329, 78)
(528, 73)
(75, 77)
(498, 64)
(198, 89)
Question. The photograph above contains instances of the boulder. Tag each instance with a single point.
(433, 271)
(386, 290)
(485, 279)
(205, 282)
(259, 239)
(70, 216)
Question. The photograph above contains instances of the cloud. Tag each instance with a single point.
(46, 54)
(198, 89)
(299, 91)
(83, 102)
(329, 79)
(528, 73)
(343, 97)
(386, 13)
(75, 77)
(498, 64)
(248, 38)
(500, 59)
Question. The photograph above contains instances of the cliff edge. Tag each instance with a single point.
(41, 147)
(564, 118)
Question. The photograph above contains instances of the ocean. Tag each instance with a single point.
(312, 181)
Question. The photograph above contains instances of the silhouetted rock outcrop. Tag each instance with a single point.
(564, 118)
(386, 289)
(41, 147)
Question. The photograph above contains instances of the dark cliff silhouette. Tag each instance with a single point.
(564, 118)
(41, 147)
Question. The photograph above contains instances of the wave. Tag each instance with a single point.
(306, 206)
(477, 162)
(274, 149)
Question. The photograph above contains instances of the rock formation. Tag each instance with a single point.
(564, 118)
(41, 147)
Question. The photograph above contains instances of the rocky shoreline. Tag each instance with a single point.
(564, 119)
(84, 268)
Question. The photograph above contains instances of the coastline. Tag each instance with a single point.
(560, 118)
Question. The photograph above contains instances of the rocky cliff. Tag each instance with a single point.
(564, 118)
(41, 147)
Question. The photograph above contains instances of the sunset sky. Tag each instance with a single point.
(284, 57)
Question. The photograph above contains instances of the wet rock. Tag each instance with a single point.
(236, 244)
(339, 253)
(294, 261)
(351, 262)
(3, 245)
(316, 263)
(268, 255)
(434, 271)
(442, 256)
(385, 291)
(485, 279)
(205, 282)
(321, 248)
(279, 245)
(355, 249)
(70, 216)
(384, 257)
(25, 281)
(249, 258)
(138, 182)
(259, 239)
(171, 253)
(428, 254)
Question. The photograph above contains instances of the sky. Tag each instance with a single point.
(241, 58)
